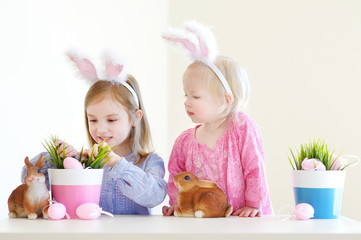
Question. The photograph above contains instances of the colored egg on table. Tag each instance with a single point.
(88, 211)
(56, 211)
(304, 211)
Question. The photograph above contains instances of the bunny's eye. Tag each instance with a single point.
(187, 178)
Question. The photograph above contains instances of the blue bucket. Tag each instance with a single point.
(321, 189)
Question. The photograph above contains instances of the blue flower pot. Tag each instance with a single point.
(321, 189)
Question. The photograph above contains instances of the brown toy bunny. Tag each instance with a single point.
(200, 198)
(29, 199)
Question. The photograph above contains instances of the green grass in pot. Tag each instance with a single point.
(315, 149)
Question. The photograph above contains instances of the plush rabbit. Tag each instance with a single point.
(200, 198)
(30, 199)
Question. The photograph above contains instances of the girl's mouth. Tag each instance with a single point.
(107, 139)
(190, 113)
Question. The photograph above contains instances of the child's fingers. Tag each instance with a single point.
(57, 142)
(259, 214)
(60, 149)
(68, 149)
(243, 212)
(93, 150)
(95, 147)
(72, 153)
(253, 213)
(61, 146)
(84, 154)
(237, 212)
(168, 211)
(165, 210)
(248, 212)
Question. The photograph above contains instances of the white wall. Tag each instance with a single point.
(303, 60)
(40, 93)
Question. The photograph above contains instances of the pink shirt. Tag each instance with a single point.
(236, 164)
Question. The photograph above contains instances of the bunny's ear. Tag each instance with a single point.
(40, 163)
(184, 40)
(117, 71)
(113, 70)
(28, 163)
(115, 67)
(206, 184)
(85, 66)
(206, 40)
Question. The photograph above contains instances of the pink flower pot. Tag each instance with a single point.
(73, 187)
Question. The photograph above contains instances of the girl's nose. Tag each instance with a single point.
(102, 128)
(187, 103)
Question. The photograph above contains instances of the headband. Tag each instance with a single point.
(200, 45)
(114, 67)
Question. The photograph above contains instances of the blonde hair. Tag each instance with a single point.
(236, 78)
(140, 137)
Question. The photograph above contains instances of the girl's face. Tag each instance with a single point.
(200, 105)
(108, 120)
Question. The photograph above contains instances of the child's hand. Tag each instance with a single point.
(113, 158)
(69, 149)
(169, 211)
(247, 212)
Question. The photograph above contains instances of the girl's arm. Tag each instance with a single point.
(145, 187)
(253, 162)
(174, 167)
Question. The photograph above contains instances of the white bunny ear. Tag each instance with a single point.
(206, 40)
(200, 43)
(197, 39)
(115, 67)
(85, 66)
(116, 70)
(183, 39)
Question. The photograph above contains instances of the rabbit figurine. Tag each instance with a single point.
(29, 199)
(200, 198)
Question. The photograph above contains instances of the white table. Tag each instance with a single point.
(170, 228)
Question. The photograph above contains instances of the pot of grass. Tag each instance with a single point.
(73, 187)
(318, 178)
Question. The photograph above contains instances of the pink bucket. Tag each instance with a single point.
(73, 187)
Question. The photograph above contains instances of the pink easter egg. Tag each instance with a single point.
(72, 163)
(312, 164)
(89, 211)
(56, 211)
(304, 211)
(337, 164)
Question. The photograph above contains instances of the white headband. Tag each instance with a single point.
(114, 67)
(200, 44)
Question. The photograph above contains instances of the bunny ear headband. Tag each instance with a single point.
(200, 44)
(114, 67)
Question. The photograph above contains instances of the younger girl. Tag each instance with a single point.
(226, 147)
(133, 178)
